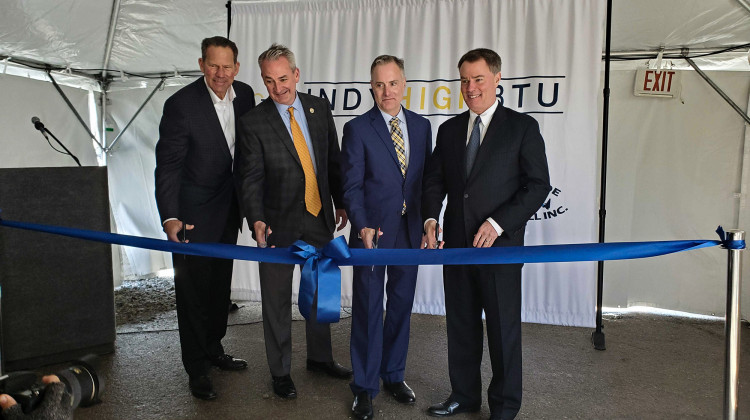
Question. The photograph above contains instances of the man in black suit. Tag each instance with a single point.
(197, 199)
(289, 173)
(491, 163)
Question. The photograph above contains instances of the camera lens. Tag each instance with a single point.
(82, 382)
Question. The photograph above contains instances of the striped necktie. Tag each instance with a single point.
(398, 142)
(312, 196)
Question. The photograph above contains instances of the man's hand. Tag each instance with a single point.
(260, 229)
(485, 236)
(173, 227)
(341, 219)
(429, 239)
(368, 237)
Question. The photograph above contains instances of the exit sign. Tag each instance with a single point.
(661, 83)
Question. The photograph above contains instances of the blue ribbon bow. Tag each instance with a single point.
(321, 276)
(726, 243)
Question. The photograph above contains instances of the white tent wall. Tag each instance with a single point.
(131, 165)
(674, 169)
(22, 144)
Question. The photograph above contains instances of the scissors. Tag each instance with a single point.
(375, 243)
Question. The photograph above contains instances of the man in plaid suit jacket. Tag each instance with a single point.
(273, 197)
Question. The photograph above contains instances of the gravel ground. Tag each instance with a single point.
(148, 305)
(145, 300)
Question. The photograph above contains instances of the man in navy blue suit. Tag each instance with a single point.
(383, 156)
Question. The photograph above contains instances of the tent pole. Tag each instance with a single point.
(103, 108)
(161, 83)
(72, 108)
(110, 36)
(597, 337)
(732, 327)
(229, 17)
(715, 87)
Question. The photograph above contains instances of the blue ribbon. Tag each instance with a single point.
(726, 243)
(321, 273)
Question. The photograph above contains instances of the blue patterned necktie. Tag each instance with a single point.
(473, 147)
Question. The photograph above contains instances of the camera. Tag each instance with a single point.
(80, 380)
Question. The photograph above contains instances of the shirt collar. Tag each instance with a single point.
(229, 97)
(486, 116)
(297, 105)
(388, 117)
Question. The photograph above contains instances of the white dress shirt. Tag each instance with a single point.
(225, 112)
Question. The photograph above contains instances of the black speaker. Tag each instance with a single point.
(57, 296)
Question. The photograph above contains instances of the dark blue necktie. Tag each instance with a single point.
(473, 147)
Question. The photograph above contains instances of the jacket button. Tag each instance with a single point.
(466, 195)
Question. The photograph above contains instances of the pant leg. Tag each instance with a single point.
(463, 313)
(366, 344)
(502, 302)
(400, 286)
(192, 284)
(219, 294)
(276, 303)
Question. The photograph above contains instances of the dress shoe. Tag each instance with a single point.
(450, 407)
(401, 392)
(362, 407)
(331, 368)
(202, 388)
(227, 362)
(284, 387)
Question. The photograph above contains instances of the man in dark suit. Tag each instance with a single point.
(289, 173)
(491, 163)
(383, 156)
(197, 200)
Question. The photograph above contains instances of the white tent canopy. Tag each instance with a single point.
(677, 167)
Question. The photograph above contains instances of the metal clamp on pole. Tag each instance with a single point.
(732, 327)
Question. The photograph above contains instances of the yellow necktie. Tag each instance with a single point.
(398, 142)
(312, 196)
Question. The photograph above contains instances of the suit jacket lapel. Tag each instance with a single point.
(459, 150)
(317, 126)
(383, 132)
(416, 149)
(491, 138)
(277, 124)
(207, 108)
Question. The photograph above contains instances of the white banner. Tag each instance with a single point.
(551, 53)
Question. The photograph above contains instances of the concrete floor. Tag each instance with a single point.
(655, 367)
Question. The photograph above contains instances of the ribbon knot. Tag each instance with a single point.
(321, 277)
(726, 243)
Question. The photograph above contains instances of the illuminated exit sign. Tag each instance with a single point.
(661, 83)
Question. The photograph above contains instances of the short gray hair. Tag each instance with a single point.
(385, 59)
(276, 51)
